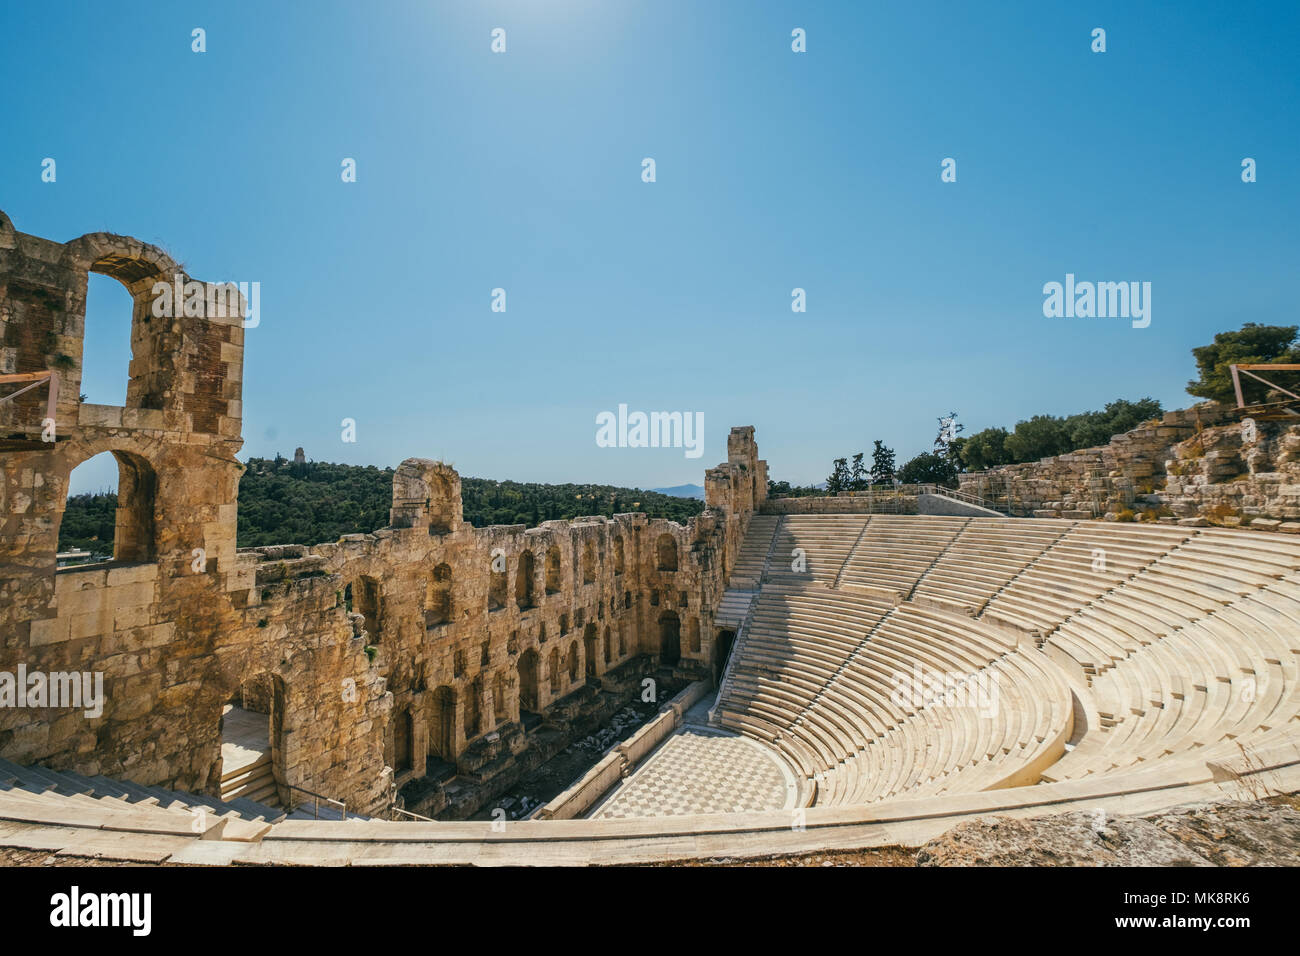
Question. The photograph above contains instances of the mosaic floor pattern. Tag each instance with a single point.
(702, 771)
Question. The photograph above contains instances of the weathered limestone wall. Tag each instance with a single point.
(425, 639)
(848, 503)
(172, 624)
(1196, 462)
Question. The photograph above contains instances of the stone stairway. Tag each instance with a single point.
(752, 559)
(747, 576)
(254, 781)
(733, 608)
(39, 780)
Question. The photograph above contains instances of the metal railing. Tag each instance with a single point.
(737, 644)
(316, 801)
(414, 816)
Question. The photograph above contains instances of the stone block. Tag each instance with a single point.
(99, 416)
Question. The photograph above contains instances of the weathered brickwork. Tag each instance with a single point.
(428, 640)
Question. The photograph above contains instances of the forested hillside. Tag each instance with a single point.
(281, 502)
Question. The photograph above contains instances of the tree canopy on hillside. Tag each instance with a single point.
(1251, 344)
(281, 502)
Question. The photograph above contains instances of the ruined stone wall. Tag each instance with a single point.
(1194, 462)
(373, 654)
(173, 623)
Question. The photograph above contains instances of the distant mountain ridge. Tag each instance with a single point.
(682, 491)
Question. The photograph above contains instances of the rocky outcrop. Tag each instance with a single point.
(1195, 462)
(1234, 833)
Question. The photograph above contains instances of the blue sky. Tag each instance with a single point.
(775, 170)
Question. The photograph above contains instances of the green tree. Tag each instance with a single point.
(944, 442)
(858, 474)
(1089, 429)
(1252, 343)
(928, 468)
(986, 449)
(839, 478)
(882, 464)
(1040, 437)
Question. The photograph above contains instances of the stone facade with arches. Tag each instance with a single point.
(425, 639)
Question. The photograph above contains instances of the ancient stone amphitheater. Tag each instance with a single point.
(885, 667)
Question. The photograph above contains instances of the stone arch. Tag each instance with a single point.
(693, 632)
(553, 570)
(588, 563)
(528, 698)
(437, 596)
(474, 708)
(618, 554)
(364, 596)
(252, 719)
(670, 639)
(499, 711)
(403, 738)
(497, 583)
(135, 520)
(426, 493)
(524, 575)
(442, 724)
(156, 341)
(666, 553)
(553, 668)
(589, 649)
(609, 650)
(571, 662)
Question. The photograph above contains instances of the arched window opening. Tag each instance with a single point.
(524, 581)
(367, 600)
(589, 649)
(106, 345)
(666, 552)
(107, 516)
(403, 734)
(497, 584)
(474, 708)
(437, 597)
(553, 570)
(442, 725)
(528, 681)
(670, 641)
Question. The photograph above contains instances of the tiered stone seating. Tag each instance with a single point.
(896, 550)
(1230, 676)
(1183, 642)
(825, 540)
(985, 555)
(1089, 560)
(825, 679)
(120, 795)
